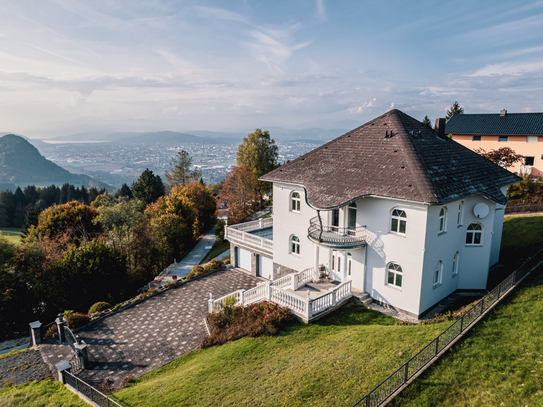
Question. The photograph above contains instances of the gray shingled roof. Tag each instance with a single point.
(409, 165)
(493, 124)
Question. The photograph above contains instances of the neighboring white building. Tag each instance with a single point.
(402, 212)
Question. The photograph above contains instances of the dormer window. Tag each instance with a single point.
(295, 202)
(398, 221)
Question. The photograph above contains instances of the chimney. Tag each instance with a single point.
(503, 112)
(440, 127)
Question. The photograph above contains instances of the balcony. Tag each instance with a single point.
(258, 234)
(336, 237)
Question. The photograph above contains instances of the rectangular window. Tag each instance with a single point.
(335, 219)
(532, 139)
(476, 138)
(503, 138)
(529, 161)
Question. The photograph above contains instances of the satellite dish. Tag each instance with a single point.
(481, 210)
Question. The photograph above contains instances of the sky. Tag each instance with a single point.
(108, 65)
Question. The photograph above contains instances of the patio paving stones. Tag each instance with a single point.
(151, 333)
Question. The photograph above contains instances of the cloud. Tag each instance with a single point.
(321, 10)
(273, 48)
(363, 107)
(509, 68)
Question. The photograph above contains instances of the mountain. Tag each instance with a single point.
(173, 137)
(22, 164)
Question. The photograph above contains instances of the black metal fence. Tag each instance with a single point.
(88, 391)
(433, 350)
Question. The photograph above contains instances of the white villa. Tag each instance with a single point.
(392, 212)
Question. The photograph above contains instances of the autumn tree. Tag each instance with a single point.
(148, 188)
(504, 156)
(241, 190)
(259, 152)
(119, 218)
(73, 218)
(180, 172)
(454, 109)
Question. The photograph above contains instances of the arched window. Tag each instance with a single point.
(295, 202)
(460, 214)
(394, 275)
(437, 273)
(474, 236)
(398, 221)
(351, 218)
(294, 245)
(443, 219)
(456, 261)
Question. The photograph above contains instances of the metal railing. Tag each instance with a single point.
(70, 337)
(393, 383)
(88, 391)
(336, 236)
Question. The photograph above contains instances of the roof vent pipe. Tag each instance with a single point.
(503, 112)
(440, 127)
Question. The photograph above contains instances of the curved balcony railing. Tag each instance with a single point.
(335, 236)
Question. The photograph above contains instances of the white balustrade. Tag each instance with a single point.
(277, 291)
(240, 232)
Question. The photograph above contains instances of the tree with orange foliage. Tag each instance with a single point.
(241, 190)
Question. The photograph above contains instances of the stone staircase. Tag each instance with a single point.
(362, 298)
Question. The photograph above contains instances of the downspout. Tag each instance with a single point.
(365, 266)
(320, 224)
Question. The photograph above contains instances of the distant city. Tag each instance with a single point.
(118, 163)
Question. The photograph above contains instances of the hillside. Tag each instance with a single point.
(22, 164)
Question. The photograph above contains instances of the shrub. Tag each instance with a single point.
(99, 306)
(196, 271)
(127, 380)
(106, 386)
(51, 332)
(255, 320)
(77, 320)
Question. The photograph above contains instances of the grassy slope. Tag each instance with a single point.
(14, 235)
(42, 394)
(218, 248)
(330, 362)
(499, 364)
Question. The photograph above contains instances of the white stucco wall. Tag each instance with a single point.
(473, 260)
(417, 252)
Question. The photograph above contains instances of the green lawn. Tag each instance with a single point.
(14, 235)
(499, 364)
(39, 394)
(331, 362)
(218, 248)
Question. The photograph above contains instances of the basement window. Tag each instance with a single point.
(476, 138)
(503, 138)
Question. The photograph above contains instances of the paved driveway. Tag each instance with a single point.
(153, 332)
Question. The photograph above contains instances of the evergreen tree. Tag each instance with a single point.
(455, 109)
(124, 191)
(427, 122)
(31, 218)
(180, 172)
(148, 188)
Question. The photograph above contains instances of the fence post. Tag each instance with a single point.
(60, 321)
(482, 305)
(499, 290)
(406, 372)
(269, 290)
(242, 297)
(210, 303)
(461, 323)
(35, 329)
(62, 366)
(368, 398)
(309, 313)
(437, 345)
